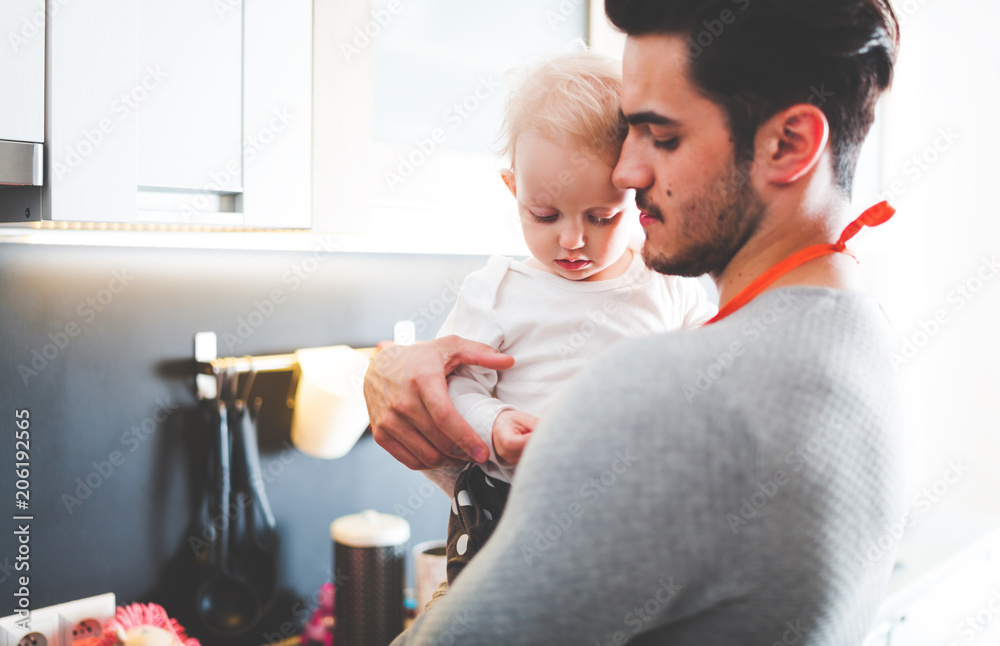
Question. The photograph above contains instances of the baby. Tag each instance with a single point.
(582, 289)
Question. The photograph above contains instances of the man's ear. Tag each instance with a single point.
(792, 141)
(508, 178)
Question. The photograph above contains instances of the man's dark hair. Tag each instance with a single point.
(757, 57)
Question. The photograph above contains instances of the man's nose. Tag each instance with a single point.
(632, 169)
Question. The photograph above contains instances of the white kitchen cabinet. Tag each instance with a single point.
(184, 112)
(94, 92)
(189, 128)
(277, 114)
(22, 66)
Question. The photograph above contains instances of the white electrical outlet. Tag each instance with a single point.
(41, 629)
(84, 617)
(60, 625)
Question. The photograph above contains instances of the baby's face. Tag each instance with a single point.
(573, 218)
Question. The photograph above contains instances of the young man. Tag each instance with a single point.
(724, 485)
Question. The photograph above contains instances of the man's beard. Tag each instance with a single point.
(714, 227)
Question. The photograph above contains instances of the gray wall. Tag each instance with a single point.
(109, 355)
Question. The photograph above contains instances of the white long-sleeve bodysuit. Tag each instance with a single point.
(552, 327)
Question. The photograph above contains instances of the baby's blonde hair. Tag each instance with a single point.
(570, 99)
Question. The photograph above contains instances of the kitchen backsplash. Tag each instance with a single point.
(96, 345)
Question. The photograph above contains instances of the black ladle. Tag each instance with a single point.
(227, 606)
(257, 554)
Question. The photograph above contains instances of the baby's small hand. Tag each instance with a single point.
(511, 432)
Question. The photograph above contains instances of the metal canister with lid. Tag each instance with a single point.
(369, 558)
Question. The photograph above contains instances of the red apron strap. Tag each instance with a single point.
(874, 216)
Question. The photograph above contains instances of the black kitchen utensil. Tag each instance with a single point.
(203, 553)
(226, 605)
(256, 549)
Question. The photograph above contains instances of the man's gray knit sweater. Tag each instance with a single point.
(734, 484)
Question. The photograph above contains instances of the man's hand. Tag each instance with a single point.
(511, 432)
(412, 416)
